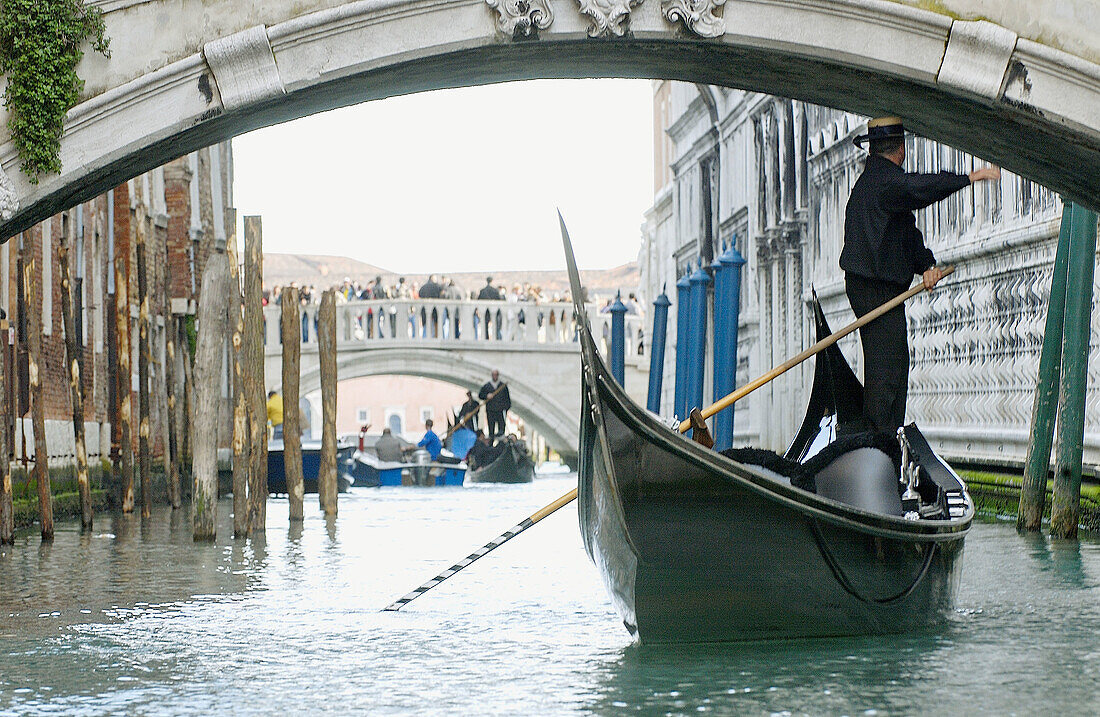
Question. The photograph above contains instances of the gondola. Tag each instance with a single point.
(697, 546)
(311, 466)
(370, 472)
(513, 465)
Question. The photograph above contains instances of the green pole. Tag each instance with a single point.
(1033, 489)
(1071, 402)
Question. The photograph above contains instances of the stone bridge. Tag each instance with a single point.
(460, 342)
(1020, 86)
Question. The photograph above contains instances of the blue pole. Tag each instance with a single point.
(657, 351)
(697, 337)
(725, 367)
(720, 359)
(680, 389)
(618, 340)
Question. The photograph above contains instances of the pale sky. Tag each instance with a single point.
(459, 180)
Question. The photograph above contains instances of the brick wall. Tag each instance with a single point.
(168, 248)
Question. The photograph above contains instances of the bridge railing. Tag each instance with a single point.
(380, 321)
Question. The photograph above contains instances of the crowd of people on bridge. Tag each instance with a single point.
(435, 287)
(433, 323)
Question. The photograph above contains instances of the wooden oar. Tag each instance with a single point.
(683, 427)
(472, 412)
(816, 348)
(484, 550)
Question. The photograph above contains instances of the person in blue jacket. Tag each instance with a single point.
(430, 441)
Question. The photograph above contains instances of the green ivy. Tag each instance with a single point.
(40, 47)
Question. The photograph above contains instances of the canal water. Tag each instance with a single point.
(133, 618)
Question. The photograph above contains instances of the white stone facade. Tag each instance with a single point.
(778, 174)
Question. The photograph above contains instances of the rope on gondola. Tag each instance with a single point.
(483, 550)
(838, 572)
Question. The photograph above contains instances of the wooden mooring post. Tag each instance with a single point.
(171, 448)
(208, 366)
(242, 438)
(326, 349)
(291, 329)
(38, 409)
(1033, 487)
(144, 455)
(125, 384)
(76, 380)
(7, 510)
(253, 371)
(1066, 505)
(187, 426)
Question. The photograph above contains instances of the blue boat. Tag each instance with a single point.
(370, 472)
(311, 466)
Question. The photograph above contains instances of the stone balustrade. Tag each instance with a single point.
(381, 322)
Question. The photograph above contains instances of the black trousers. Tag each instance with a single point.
(496, 422)
(885, 352)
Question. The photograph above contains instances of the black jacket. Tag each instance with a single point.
(470, 407)
(498, 403)
(489, 293)
(881, 239)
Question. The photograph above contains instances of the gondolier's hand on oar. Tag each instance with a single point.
(931, 277)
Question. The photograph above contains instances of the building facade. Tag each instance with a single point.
(185, 205)
(772, 176)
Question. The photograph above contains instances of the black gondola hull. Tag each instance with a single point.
(696, 547)
(691, 556)
(511, 466)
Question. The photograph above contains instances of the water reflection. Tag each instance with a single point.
(1061, 559)
(800, 676)
(134, 617)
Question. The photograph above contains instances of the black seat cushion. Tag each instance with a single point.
(804, 475)
(773, 462)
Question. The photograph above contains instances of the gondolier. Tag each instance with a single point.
(497, 405)
(883, 250)
(469, 410)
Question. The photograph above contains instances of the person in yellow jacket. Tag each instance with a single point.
(275, 413)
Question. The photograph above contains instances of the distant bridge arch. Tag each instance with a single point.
(537, 356)
(1022, 90)
(542, 384)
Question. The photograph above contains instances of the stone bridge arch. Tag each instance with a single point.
(544, 385)
(1022, 91)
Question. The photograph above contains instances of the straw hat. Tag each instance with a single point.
(881, 128)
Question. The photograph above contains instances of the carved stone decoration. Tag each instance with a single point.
(608, 16)
(522, 19)
(697, 15)
(244, 68)
(9, 202)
